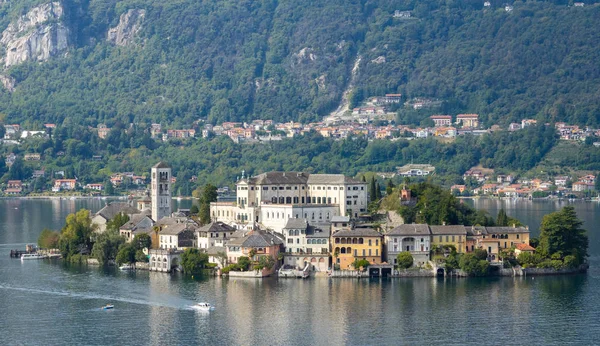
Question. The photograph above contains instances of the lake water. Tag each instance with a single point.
(46, 303)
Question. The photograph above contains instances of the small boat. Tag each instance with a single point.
(32, 256)
(108, 307)
(127, 267)
(203, 306)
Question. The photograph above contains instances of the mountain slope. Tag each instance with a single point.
(288, 60)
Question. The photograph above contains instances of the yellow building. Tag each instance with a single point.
(449, 235)
(358, 243)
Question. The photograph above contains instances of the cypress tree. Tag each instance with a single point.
(372, 191)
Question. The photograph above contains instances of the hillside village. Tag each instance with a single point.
(363, 122)
(307, 224)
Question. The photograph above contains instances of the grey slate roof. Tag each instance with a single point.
(112, 209)
(214, 250)
(332, 179)
(272, 178)
(296, 223)
(256, 239)
(133, 221)
(217, 226)
(504, 230)
(451, 229)
(340, 219)
(358, 232)
(176, 229)
(161, 164)
(410, 229)
(317, 231)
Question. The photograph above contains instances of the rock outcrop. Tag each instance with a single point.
(8, 82)
(129, 25)
(37, 35)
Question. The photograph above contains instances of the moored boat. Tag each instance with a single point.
(32, 256)
(127, 267)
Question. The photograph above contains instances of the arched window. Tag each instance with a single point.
(348, 250)
(343, 250)
(281, 200)
(328, 200)
(337, 240)
(354, 240)
(288, 200)
(273, 199)
(344, 241)
(360, 241)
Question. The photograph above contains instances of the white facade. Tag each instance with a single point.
(272, 198)
(160, 191)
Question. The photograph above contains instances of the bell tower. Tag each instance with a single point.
(160, 191)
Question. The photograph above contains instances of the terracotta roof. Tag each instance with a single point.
(524, 247)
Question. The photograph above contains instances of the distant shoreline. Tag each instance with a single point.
(71, 197)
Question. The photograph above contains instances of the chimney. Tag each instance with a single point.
(514, 225)
(444, 223)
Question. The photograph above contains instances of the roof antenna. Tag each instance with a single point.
(243, 171)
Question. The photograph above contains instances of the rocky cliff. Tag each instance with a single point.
(37, 35)
(129, 25)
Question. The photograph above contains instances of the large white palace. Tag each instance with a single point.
(271, 199)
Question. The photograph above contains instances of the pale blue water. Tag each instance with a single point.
(47, 303)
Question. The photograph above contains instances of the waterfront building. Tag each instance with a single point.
(306, 244)
(496, 239)
(263, 243)
(455, 235)
(109, 212)
(178, 236)
(214, 234)
(414, 238)
(137, 224)
(357, 243)
(160, 191)
(271, 199)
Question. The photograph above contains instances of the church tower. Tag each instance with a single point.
(161, 191)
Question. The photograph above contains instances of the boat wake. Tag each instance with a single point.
(186, 306)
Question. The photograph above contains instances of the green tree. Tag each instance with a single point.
(243, 262)
(480, 254)
(405, 260)
(194, 209)
(209, 194)
(561, 233)
(75, 236)
(140, 256)
(48, 239)
(360, 263)
(470, 264)
(107, 245)
(502, 218)
(126, 254)
(119, 220)
(142, 241)
(109, 189)
(193, 261)
(597, 182)
(372, 190)
(389, 189)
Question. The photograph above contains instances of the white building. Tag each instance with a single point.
(272, 198)
(306, 244)
(414, 238)
(214, 234)
(160, 191)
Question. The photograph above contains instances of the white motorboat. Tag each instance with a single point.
(127, 267)
(108, 307)
(32, 256)
(203, 306)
